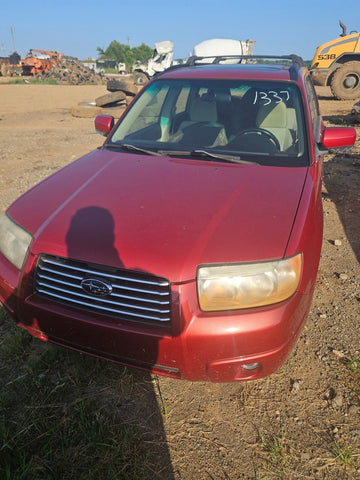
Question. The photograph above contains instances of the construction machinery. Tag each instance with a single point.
(40, 61)
(337, 64)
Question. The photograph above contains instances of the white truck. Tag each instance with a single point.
(217, 47)
(161, 59)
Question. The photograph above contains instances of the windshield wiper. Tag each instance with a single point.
(222, 157)
(174, 153)
(194, 153)
(132, 148)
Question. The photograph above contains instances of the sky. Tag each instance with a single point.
(76, 28)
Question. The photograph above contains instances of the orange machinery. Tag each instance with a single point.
(40, 62)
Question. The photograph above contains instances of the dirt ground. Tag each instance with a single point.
(302, 422)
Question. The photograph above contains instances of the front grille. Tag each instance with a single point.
(135, 296)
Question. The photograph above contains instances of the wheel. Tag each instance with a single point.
(345, 82)
(257, 131)
(109, 98)
(140, 78)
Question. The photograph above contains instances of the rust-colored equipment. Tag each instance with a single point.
(40, 61)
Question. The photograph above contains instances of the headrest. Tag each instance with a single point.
(223, 96)
(203, 111)
(272, 115)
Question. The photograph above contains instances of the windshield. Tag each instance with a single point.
(255, 121)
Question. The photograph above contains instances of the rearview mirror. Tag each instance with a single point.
(104, 124)
(338, 138)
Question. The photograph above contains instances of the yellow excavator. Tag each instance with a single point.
(337, 64)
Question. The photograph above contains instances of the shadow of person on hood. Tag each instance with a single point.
(91, 239)
(91, 236)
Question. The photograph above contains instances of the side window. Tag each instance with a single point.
(313, 105)
(150, 114)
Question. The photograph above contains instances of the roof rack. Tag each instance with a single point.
(208, 60)
(296, 61)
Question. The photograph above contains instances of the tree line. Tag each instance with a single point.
(124, 54)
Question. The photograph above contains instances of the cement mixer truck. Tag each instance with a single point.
(217, 47)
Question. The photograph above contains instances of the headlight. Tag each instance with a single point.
(248, 285)
(14, 241)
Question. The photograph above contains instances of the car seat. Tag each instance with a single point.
(203, 129)
(273, 118)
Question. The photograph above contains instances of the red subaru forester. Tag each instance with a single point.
(188, 244)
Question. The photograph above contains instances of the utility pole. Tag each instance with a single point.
(12, 38)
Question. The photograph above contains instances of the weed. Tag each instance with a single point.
(353, 364)
(352, 376)
(343, 453)
(275, 447)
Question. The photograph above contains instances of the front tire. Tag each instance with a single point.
(140, 78)
(345, 82)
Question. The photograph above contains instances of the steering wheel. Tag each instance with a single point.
(260, 131)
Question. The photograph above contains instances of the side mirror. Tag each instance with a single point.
(104, 124)
(338, 138)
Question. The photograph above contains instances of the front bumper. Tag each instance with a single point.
(217, 347)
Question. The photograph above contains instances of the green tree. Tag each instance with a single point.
(142, 53)
(124, 54)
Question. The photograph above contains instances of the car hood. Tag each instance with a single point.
(161, 215)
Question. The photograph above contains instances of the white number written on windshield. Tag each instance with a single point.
(265, 98)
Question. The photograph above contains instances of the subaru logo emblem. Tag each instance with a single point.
(96, 287)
